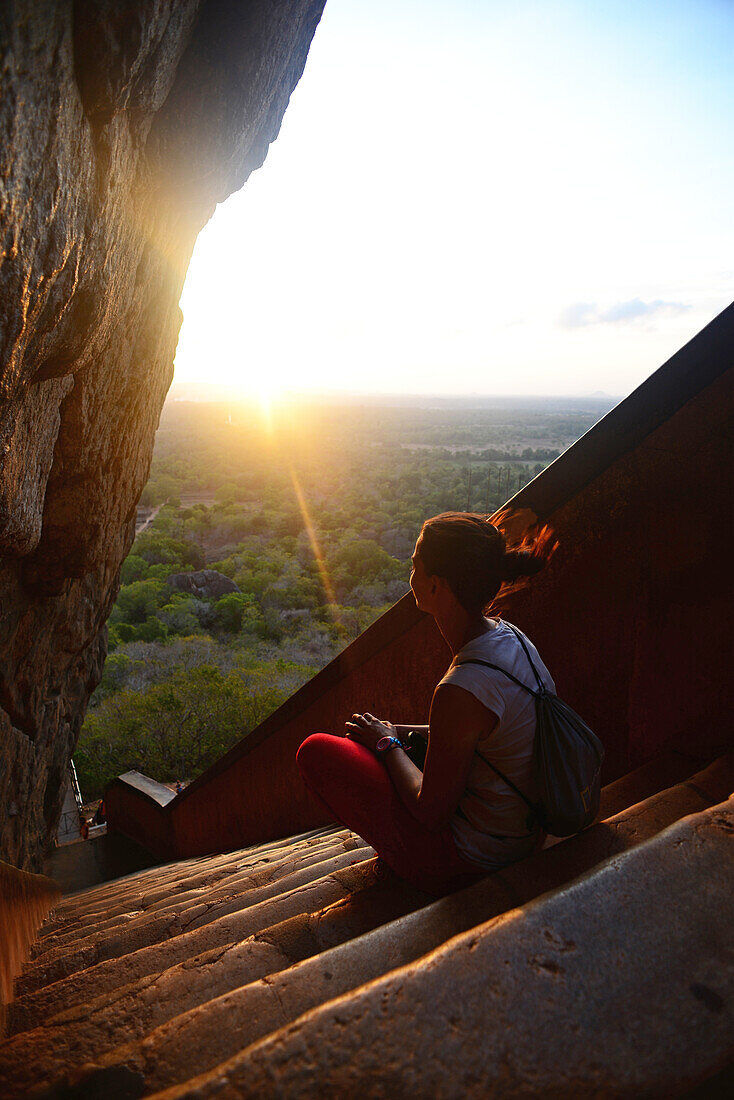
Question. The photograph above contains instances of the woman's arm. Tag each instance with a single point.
(403, 731)
(458, 721)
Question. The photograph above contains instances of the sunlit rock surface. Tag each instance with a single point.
(122, 127)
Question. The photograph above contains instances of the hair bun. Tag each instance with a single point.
(520, 563)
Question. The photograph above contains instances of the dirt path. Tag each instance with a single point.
(140, 527)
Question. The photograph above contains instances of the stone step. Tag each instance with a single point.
(138, 934)
(142, 1005)
(224, 1022)
(656, 775)
(215, 1030)
(618, 833)
(79, 910)
(229, 881)
(167, 1005)
(32, 1008)
(84, 902)
(135, 894)
(48, 1050)
(644, 1014)
(82, 1033)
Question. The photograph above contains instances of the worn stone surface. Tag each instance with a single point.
(188, 1011)
(230, 881)
(115, 973)
(122, 127)
(30, 1009)
(664, 771)
(201, 1037)
(71, 1037)
(85, 1031)
(193, 908)
(619, 986)
(174, 927)
(164, 880)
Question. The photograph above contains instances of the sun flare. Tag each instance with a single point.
(265, 401)
(315, 546)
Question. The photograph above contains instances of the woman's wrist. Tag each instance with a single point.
(388, 744)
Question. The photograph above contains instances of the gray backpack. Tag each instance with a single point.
(567, 759)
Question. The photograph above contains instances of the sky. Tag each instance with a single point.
(475, 196)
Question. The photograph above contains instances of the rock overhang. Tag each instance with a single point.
(124, 128)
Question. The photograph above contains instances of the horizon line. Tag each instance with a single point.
(234, 392)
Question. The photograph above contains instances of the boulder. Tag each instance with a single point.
(205, 584)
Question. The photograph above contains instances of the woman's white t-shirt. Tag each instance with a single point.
(490, 825)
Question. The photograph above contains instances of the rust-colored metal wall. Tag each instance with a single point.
(141, 818)
(25, 901)
(633, 617)
(634, 614)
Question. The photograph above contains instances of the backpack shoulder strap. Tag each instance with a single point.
(521, 640)
(488, 664)
(503, 777)
(506, 780)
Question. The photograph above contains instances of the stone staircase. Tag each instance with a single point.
(601, 966)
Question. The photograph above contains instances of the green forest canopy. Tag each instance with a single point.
(190, 673)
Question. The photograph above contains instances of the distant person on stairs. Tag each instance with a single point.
(466, 813)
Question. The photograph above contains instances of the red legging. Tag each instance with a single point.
(355, 787)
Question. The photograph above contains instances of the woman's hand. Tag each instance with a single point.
(368, 730)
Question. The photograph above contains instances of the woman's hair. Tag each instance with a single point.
(470, 553)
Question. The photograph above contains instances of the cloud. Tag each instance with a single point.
(580, 314)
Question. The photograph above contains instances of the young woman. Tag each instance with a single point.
(458, 818)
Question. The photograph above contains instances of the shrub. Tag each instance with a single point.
(229, 610)
(136, 602)
(171, 730)
(156, 549)
(134, 568)
(179, 615)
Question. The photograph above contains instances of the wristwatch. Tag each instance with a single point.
(387, 744)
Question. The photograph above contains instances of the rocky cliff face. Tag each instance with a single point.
(123, 125)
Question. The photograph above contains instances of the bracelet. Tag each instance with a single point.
(387, 744)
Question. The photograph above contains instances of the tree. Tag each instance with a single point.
(134, 568)
(171, 730)
(227, 493)
(229, 610)
(136, 602)
(180, 614)
(156, 548)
